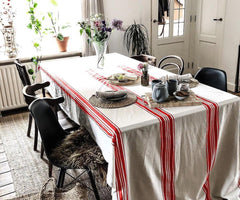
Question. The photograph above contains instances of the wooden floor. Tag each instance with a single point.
(7, 190)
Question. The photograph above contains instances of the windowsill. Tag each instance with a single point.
(4, 60)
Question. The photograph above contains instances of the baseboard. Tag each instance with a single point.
(231, 87)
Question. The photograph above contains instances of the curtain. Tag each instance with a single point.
(163, 6)
(89, 8)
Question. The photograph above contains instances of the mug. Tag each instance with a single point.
(155, 82)
(160, 92)
(172, 86)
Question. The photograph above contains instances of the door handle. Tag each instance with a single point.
(218, 19)
(154, 21)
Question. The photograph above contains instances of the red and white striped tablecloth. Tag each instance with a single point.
(165, 154)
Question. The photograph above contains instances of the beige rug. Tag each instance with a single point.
(29, 171)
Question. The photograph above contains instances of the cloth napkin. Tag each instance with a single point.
(111, 94)
(181, 78)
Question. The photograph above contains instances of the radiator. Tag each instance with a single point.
(11, 96)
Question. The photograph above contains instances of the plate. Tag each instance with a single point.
(115, 81)
(116, 98)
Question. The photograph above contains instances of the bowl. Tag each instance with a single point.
(181, 95)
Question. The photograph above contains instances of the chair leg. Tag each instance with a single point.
(93, 184)
(35, 138)
(42, 151)
(29, 125)
(50, 166)
(61, 178)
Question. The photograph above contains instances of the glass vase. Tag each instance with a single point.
(100, 49)
(145, 79)
(9, 40)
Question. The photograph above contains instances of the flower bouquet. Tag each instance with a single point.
(98, 31)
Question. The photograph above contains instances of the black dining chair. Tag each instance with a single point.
(146, 58)
(22, 71)
(172, 62)
(67, 150)
(213, 77)
(29, 93)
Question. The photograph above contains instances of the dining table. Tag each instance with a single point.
(153, 153)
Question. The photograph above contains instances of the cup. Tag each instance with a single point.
(172, 86)
(155, 82)
(183, 87)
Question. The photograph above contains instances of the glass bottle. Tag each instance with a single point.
(145, 78)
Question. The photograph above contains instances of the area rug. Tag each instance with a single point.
(28, 170)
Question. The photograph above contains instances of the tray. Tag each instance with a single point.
(192, 100)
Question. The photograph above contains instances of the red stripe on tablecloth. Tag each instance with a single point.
(167, 148)
(212, 134)
(167, 134)
(109, 127)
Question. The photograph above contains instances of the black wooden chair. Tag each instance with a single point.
(22, 71)
(146, 58)
(67, 151)
(213, 77)
(172, 61)
(29, 93)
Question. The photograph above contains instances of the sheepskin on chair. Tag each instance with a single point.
(79, 150)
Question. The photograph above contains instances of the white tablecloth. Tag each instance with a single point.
(182, 153)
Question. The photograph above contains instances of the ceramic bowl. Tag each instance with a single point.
(179, 96)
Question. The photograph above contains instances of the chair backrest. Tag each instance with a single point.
(29, 91)
(146, 58)
(172, 60)
(213, 77)
(50, 130)
(22, 73)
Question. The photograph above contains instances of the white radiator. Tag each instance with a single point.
(11, 96)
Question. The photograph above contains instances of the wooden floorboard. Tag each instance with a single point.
(3, 157)
(7, 190)
(4, 167)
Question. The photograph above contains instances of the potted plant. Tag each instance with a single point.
(136, 39)
(57, 29)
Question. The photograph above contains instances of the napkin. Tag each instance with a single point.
(185, 77)
(111, 94)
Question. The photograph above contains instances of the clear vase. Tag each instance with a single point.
(9, 40)
(100, 49)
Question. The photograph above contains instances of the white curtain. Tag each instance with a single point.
(90, 7)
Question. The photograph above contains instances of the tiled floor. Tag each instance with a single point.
(7, 190)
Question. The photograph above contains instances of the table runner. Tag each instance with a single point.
(178, 164)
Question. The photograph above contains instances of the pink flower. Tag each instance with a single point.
(140, 66)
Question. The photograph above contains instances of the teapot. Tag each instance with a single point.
(160, 92)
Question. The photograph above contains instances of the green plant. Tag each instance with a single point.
(56, 28)
(36, 25)
(136, 39)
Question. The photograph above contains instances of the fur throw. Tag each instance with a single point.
(79, 150)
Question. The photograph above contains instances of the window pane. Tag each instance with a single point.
(166, 28)
(181, 28)
(179, 4)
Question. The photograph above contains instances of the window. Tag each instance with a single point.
(174, 25)
(69, 12)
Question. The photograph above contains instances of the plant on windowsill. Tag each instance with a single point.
(57, 30)
(136, 39)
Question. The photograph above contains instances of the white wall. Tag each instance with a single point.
(231, 41)
(127, 11)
